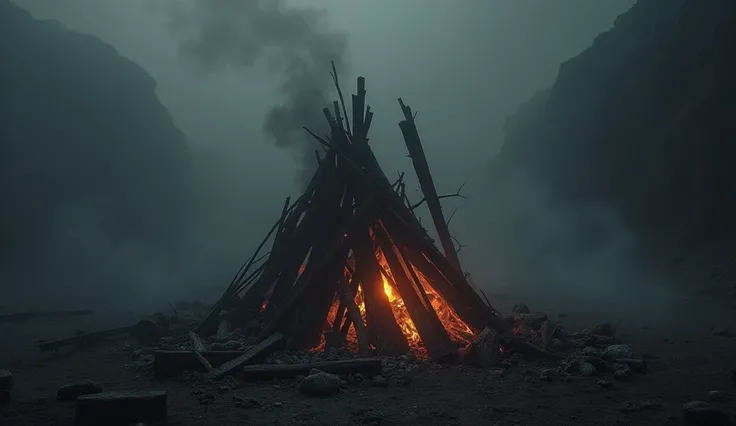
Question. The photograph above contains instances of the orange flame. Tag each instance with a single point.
(456, 328)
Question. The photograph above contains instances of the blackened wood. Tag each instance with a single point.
(426, 183)
(435, 339)
(299, 247)
(359, 220)
(197, 348)
(474, 319)
(209, 324)
(354, 288)
(368, 120)
(264, 348)
(254, 297)
(172, 363)
(383, 331)
(366, 366)
(310, 315)
(359, 131)
(418, 244)
(86, 338)
(354, 315)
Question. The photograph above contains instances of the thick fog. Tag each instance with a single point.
(240, 78)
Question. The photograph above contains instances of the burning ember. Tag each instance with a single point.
(456, 328)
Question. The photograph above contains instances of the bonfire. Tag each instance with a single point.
(350, 263)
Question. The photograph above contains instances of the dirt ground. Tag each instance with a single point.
(686, 361)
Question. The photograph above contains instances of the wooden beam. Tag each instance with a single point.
(267, 346)
(172, 363)
(197, 348)
(419, 160)
(433, 334)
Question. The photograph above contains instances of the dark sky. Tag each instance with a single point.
(464, 66)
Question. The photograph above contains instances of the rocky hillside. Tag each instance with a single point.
(94, 175)
(644, 121)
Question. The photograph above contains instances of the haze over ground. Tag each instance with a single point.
(464, 67)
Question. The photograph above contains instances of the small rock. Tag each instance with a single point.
(5, 396)
(580, 367)
(320, 384)
(246, 402)
(587, 369)
(700, 413)
(521, 308)
(604, 329)
(379, 382)
(72, 391)
(618, 351)
(605, 384)
(716, 396)
(623, 375)
(590, 351)
(6, 380)
(546, 375)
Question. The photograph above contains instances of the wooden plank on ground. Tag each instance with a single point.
(172, 363)
(198, 347)
(271, 343)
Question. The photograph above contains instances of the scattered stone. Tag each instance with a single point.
(521, 308)
(580, 367)
(6, 380)
(604, 329)
(591, 351)
(618, 351)
(587, 369)
(379, 382)
(605, 384)
(716, 396)
(546, 375)
(700, 413)
(319, 383)
(109, 408)
(623, 374)
(5, 396)
(72, 391)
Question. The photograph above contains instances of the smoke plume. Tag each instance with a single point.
(295, 44)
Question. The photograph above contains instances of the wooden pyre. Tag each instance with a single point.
(336, 244)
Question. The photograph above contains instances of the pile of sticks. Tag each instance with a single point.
(327, 244)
